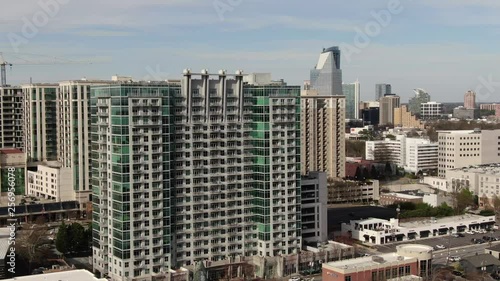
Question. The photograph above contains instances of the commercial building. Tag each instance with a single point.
(415, 103)
(11, 117)
(352, 98)
(405, 119)
(410, 260)
(229, 149)
(470, 100)
(326, 77)
(463, 148)
(394, 198)
(379, 231)
(12, 171)
(482, 180)
(323, 134)
(387, 105)
(350, 191)
(50, 181)
(465, 113)
(371, 116)
(382, 90)
(414, 154)
(431, 110)
(314, 206)
(480, 263)
(73, 135)
(40, 122)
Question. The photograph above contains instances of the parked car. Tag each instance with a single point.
(480, 241)
(469, 232)
(440, 247)
(453, 258)
(457, 235)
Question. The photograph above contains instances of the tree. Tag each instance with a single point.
(496, 204)
(62, 239)
(391, 137)
(31, 243)
(463, 199)
(78, 241)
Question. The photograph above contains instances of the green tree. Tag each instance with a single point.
(62, 239)
(391, 137)
(464, 199)
(78, 240)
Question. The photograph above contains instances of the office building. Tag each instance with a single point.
(326, 77)
(352, 96)
(413, 154)
(50, 181)
(431, 110)
(12, 162)
(414, 104)
(458, 149)
(371, 116)
(314, 206)
(465, 113)
(387, 199)
(11, 117)
(73, 135)
(382, 90)
(387, 105)
(380, 231)
(323, 134)
(405, 119)
(489, 106)
(40, 122)
(470, 100)
(230, 151)
(409, 262)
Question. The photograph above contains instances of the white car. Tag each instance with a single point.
(294, 279)
(453, 258)
(469, 232)
(440, 247)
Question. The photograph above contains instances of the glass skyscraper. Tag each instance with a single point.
(352, 99)
(326, 77)
(381, 90)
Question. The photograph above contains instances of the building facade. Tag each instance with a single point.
(40, 121)
(323, 134)
(208, 168)
(371, 116)
(12, 162)
(395, 198)
(414, 104)
(405, 119)
(387, 105)
(314, 206)
(382, 90)
(409, 261)
(326, 77)
(470, 100)
(11, 118)
(352, 99)
(431, 110)
(458, 149)
(465, 113)
(73, 134)
(50, 181)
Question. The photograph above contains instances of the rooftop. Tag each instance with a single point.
(72, 275)
(402, 195)
(444, 220)
(487, 169)
(366, 262)
(482, 260)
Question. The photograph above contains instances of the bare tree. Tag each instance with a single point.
(31, 241)
(496, 204)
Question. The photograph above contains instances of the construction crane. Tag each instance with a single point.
(4, 64)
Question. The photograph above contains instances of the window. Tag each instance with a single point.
(347, 278)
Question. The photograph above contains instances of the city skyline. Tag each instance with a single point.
(144, 40)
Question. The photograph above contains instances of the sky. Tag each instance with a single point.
(443, 46)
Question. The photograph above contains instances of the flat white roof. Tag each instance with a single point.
(371, 220)
(364, 263)
(487, 169)
(71, 275)
(402, 195)
(445, 220)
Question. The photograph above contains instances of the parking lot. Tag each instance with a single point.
(445, 240)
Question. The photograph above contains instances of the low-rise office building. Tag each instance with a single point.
(12, 170)
(409, 260)
(431, 110)
(51, 181)
(465, 113)
(380, 231)
(394, 198)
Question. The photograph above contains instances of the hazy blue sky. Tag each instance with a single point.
(443, 46)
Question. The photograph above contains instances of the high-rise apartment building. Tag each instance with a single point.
(73, 134)
(40, 121)
(414, 104)
(382, 90)
(458, 149)
(352, 99)
(387, 105)
(11, 117)
(204, 169)
(470, 100)
(323, 134)
(326, 77)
